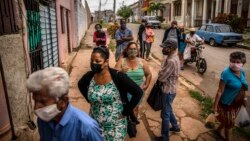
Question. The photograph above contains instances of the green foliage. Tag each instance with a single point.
(112, 45)
(206, 102)
(160, 18)
(112, 29)
(237, 23)
(156, 6)
(243, 132)
(125, 12)
(165, 26)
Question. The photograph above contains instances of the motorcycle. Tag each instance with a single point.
(196, 56)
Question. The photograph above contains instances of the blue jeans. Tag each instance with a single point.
(167, 115)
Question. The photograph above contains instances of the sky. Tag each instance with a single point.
(93, 4)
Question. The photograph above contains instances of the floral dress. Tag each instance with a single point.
(106, 107)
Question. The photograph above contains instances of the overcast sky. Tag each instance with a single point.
(93, 4)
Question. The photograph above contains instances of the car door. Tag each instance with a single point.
(209, 32)
(201, 31)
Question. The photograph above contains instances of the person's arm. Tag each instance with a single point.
(198, 38)
(118, 37)
(166, 71)
(93, 134)
(94, 37)
(165, 36)
(218, 95)
(129, 37)
(118, 65)
(147, 73)
(83, 84)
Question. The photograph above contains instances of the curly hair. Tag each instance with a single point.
(238, 55)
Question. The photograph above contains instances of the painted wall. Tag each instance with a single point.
(81, 23)
(62, 37)
(15, 59)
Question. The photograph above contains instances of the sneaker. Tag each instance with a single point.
(174, 130)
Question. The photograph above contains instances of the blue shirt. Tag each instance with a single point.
(233, 85)
(75, 125)
(119, 34)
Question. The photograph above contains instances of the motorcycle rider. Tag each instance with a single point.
(191, 40)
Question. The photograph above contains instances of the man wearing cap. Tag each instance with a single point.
(168, 77)
(191, 40)
(172, 33)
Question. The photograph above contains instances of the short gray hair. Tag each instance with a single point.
(55, 79)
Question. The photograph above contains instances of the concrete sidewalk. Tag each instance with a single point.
(186, 108)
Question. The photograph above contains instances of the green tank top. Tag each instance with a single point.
(137, 75)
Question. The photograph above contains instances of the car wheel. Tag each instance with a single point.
(212, 42)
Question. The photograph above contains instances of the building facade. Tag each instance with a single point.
(105, 15)
(33, 35)
(193, 13)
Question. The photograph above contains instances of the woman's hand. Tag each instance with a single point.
(143, 87)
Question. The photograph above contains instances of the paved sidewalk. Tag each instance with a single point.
(186, 109)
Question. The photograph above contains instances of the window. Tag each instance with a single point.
(177, 9)
(62, 19)
(223, 28)
(203, 27)
(209, 28)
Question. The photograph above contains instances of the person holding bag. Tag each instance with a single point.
(231, 93)
(106, 90)
(168, 77)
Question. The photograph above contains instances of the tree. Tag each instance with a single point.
(156, 6)
(125, 12)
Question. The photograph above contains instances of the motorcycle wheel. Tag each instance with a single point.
(201, 66)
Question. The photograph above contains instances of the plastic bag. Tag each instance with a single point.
(242, 119)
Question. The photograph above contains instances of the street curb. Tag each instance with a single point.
(184, 81)
(243, 46)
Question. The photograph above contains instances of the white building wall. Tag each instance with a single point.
(81, 21)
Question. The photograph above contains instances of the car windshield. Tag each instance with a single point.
(224, 28)
(152, 18)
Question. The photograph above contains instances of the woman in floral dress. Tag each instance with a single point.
(105, 89)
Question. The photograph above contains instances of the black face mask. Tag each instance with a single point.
(96, 68)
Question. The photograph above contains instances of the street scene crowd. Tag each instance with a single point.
(115, 93)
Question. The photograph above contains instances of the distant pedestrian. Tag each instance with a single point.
(172, 33)
(106, 90)
(168, 77)
(182, 45)
(57, 118)
(99, 36)
(231, 94)
(123, 36)
(149, 39)
(191, 40)
(140, 37)
(136, 68)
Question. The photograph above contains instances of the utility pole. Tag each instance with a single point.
(99, 11)
(114, 10)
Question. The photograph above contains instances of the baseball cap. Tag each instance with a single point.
(169, 43)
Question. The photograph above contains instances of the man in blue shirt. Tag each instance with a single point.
(57, 119)
(123, 36)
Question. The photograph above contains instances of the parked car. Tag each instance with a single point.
(214, 34)
(153, 21)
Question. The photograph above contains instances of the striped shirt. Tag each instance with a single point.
(169, 73)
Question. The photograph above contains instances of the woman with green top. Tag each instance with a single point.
(135, 67)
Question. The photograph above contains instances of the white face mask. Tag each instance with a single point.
(236, 66)
(47, 113)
